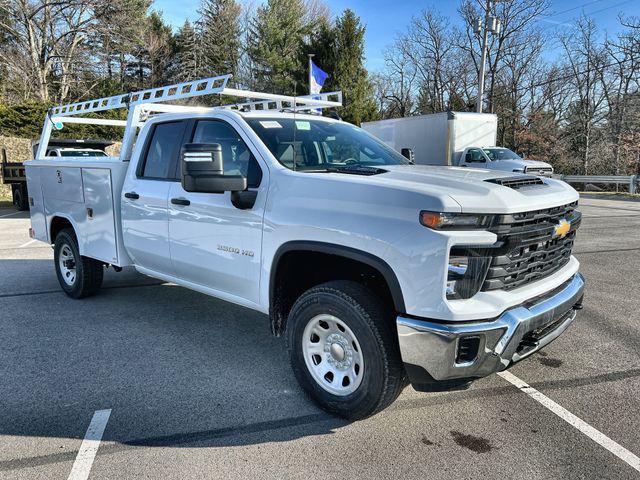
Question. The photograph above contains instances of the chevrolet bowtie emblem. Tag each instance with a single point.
(562, 229)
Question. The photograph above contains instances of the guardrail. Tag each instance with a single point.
(632, 181)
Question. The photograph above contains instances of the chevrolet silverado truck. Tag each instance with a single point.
(378, 272)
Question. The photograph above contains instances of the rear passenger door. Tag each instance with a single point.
(145, 198)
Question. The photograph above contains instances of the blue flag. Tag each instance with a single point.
(318, 77)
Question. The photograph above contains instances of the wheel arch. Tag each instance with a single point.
(279, 304)
(58, 223)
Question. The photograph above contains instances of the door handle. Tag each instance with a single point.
(180, 201)
(132, 195)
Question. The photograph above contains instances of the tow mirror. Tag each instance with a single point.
(408, 154)
(203, 170)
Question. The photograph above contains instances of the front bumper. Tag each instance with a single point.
(431, 350)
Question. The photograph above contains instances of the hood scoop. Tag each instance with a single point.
(518, 182)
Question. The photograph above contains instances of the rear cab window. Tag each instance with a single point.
(163, 151)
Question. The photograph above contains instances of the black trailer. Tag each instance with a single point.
(13, 173)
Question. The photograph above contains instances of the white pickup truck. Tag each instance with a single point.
(378, 272)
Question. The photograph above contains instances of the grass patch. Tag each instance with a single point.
(5, 196)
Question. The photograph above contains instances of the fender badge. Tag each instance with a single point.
(562, 229)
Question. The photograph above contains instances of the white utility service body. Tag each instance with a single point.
(451, 138)
(321, 203)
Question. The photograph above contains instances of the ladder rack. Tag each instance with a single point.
(198, 88)
(153, 100)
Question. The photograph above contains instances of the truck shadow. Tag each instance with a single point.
(11, 213)
(177, 368)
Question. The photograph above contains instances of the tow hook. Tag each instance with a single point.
(578, 306)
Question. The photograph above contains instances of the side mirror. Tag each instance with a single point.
(203, 170)
(408, 154)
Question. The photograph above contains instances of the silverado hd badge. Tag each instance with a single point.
(236, 250)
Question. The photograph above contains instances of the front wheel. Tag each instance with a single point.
(344, 351)
(78, 276)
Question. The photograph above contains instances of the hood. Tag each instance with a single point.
(510, 165)
(471, 190)
(535, 163)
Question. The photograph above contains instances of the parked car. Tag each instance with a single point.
(377, 271)
(500, 158)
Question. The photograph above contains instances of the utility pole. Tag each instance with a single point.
(490, 25)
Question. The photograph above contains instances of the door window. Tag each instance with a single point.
(238, 159)
(163, 150)
(474, 155)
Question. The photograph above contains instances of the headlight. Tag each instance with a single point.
(466, 272)
(455, 221)
(519, 170)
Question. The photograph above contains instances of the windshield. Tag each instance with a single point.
(82, 153)
(320, 145)
(501, 154)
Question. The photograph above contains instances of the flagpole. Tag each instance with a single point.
(310, 55)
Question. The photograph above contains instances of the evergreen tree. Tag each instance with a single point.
(276, 45)
(350, 75)
(187, 59)
(219, 32)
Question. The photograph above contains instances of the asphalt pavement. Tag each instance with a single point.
(198, 388)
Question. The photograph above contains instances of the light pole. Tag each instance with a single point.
(490, 24)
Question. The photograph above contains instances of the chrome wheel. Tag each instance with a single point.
(333, 355)
(67, 265)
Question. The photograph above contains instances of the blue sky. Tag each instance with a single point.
(384, 18)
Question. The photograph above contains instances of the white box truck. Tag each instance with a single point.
(378, 272)
(453, 138)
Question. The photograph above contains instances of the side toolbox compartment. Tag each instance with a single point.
(98, 233)
(36, 204)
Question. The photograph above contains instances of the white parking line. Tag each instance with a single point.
(600, 438)
(28, 243)
(9, 214)
(89, 447)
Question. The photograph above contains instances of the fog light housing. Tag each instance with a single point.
(467, 351)
(466, 271)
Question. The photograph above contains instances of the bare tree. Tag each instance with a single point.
(584, 59)
(48, 38)
(401, 76)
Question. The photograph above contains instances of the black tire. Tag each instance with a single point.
(19, 199)
(88, 272)
(383, 377)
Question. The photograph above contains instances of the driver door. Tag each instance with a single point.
(213, 243)
(474, 158)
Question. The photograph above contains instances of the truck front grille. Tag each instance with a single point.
(529, 247)
(539, 170)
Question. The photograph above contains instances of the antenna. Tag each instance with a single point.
(295, 126)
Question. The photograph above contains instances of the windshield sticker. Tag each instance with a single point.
(301, 125)
(270, 124)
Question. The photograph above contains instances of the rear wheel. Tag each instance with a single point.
(78, 276)
(19, 198)
(344, 351)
